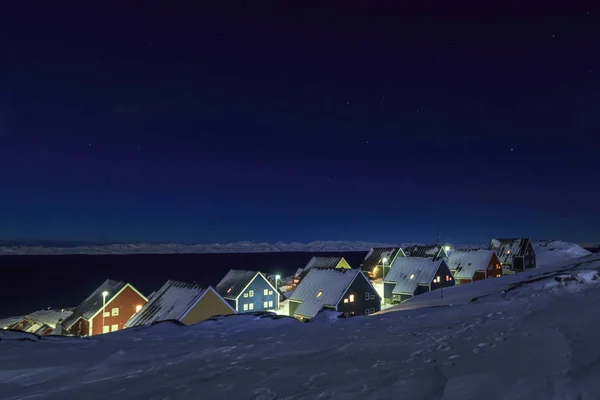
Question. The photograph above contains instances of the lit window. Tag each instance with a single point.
(229, 290)
(507, 251)
(245, 307)
(345, 300)
(138, 308)
(367, 296)
(265, 292)
(319, 294)
(114, 328)
(251, 306)
(245, 294)
(412, 276)
(271, 303)
(270, 292)
(265, 304)
(105, 329)
(115, 312)
(351, 298)
(251, 293)
(106, 314)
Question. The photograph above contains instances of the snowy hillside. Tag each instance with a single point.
(173, 248)
(524, 336)
(555, 252)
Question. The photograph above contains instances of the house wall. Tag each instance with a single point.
(79, 328)
(443, 272)
(399, 298)
(359, 288)
(494, 269)
(343, 264)
(126, 302)
(293, 306)
(258, 285)
(387, 291)
(518, 263)
(530, 259)
(475, 278)
(210, 305)
(421, 289)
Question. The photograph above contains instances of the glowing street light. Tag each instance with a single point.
(277, 277)
(383, 261)
(447, 248)
(104, 294)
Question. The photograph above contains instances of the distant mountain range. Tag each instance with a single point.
(48, 247)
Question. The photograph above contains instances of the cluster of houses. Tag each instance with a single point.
(325, 283)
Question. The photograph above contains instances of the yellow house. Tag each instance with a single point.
(188, 303)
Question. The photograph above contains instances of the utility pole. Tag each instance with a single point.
(438, 235)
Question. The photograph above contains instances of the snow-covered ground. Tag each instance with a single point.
(525, 336)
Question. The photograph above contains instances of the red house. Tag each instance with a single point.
(105, 310)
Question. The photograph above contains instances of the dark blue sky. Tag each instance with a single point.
(299, 121)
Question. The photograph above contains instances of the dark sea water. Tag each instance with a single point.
(30, 283)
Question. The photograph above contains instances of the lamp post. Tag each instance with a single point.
(104, 294)
(277, 277)
(383, 261)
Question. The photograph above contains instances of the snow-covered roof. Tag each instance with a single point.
(41, 317)
(323, 262)
(377, 254)
(93, 303)
(425, 250)
(409, 272)
(172, 301)
(322, 287)
(232, 284)
(466, 263)
(506, 249)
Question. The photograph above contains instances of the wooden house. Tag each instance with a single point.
(515, 255)
(411, 276)
(107, 309)
(248, 291)
(321, 262)
(41, 322)
(476, 265)
(379, 260)
(436, 251)
(187, 303)
(344, 290)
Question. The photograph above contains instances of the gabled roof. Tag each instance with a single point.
(172, 302)
(409, 272)
(233, 284)
(93, 304)
(377, 254)
(323, 262)
(423, 250)
(323, 287)
(506, 249)
(467, 263)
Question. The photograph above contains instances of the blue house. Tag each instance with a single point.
(248, 291)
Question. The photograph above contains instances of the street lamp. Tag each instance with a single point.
(277, 277)
(104, 294)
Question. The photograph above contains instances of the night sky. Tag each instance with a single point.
(298, 121)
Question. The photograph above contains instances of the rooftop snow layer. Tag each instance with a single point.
(173, 300)
(466, 263)
(93, 303)
(409, 272)
(232, 284)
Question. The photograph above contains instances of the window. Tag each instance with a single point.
(138, 308)
(251, 306)
(412, 276)
(372, 310)
(345, 300)
(105, 329)
(266, 292)
(106, 314)
(270, 292)
(115, 312)
(245, 307)
(367, 296)
(114, 328)
(372, 297)
(351, 298)
(367, 311)
(265, 304)
(251, 293)
(245, 294)
(319, 294)
(229, 290)
(271, 303)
